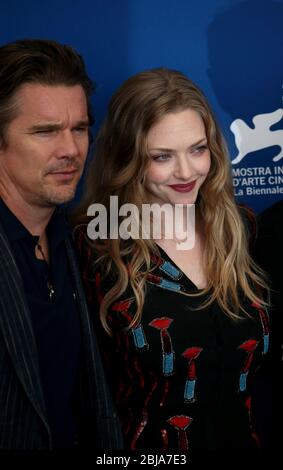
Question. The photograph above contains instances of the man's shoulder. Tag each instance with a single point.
(272, 215)
(270, 222)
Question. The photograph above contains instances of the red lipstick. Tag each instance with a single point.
(183, 188)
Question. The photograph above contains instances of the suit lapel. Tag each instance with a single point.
(15, 323)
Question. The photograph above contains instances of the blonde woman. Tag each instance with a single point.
(181, 331)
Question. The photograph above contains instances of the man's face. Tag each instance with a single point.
(47, 144)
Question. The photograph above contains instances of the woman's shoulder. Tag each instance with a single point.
(82, 241)
(80, 233)
(84, 247)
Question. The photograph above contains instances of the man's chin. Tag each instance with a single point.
(60, 197)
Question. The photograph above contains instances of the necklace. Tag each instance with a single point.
(50, 287)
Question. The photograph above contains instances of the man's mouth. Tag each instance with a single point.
(64, 173)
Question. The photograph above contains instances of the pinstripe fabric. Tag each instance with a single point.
(23, 422)
(94, 388)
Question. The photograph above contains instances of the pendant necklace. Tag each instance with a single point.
(50, 287)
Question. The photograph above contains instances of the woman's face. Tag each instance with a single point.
(179, 158)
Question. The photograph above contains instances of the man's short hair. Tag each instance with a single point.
(37, 61)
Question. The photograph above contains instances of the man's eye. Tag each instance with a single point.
(45, 131)
(81, 130)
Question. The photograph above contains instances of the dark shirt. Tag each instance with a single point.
(55, 322)
(181, 378)
(269, 255)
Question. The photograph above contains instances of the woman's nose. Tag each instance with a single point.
(182, 168)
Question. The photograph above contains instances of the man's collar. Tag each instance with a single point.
(57, 229)
(14, 229)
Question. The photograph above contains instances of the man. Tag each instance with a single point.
(268, 391)
(53, 392)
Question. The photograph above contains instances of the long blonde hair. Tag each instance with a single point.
(118, 169)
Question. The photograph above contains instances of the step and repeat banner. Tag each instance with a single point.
(246, 74)
(232, 49)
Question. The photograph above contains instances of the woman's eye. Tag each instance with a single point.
(160, 158)
(199, 150)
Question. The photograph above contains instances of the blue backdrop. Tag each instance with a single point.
(232, 49)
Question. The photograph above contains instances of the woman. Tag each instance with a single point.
(182, 330)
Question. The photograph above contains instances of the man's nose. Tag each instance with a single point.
(68, 145)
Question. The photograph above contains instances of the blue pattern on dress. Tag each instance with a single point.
(189, 394)
(171, 270)
(243, 381)
(139, 338)
(174, 286)
(168, 363)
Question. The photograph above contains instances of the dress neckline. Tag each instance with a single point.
(184, 278)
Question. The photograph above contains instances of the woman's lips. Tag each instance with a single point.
(183, 188)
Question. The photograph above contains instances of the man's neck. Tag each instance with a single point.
(34, 218)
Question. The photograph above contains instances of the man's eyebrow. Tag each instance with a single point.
(82, 123)
(45, 126)
(53, 126)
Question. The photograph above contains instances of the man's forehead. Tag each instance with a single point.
(50, 102)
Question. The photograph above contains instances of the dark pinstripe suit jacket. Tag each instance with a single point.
(23, 420)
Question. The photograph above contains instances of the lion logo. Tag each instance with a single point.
(250, 139)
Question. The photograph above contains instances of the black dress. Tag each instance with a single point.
(181, 378)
